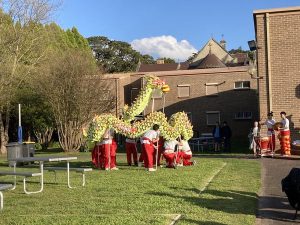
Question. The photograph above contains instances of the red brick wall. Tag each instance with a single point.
(284, 39)
(228, 101)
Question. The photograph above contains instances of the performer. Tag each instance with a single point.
(131, 150)
(185, 153)
(253, 138)
(109, 149)
(169, 152)
(284, 137)
(271, 133)
(148, 152)
(96, 156)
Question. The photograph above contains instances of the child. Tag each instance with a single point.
(254, 133)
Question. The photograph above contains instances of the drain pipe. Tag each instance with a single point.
(267, 19)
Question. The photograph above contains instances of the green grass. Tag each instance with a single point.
(133, 196)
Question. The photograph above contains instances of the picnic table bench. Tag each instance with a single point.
(77, 170)
(25, 175)
(2, 188)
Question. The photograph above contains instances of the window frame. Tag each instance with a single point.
(183, 85)
(242, 88)
(243, 117)
(212, 84)
(213, 112)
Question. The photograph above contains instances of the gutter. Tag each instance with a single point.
(267, 20)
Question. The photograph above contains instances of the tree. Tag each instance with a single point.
(21, 49)
(116, 56)
(37, 116)
(167, 60)
(74, 91)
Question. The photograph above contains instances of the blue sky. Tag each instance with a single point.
(158, 27)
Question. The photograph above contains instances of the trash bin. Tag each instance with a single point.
(14, 151)
(28, 149)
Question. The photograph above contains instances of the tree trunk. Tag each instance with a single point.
(4, 125)
(70, 136)
(44, 138)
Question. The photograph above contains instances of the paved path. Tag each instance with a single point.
(274, 207)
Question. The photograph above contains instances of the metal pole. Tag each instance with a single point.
(152, 104)
(164, 102)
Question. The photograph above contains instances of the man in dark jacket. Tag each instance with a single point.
(226, 134)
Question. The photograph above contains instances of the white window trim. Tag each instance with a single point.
(212, 112)
(242, 88)
(184, 85)
(211, 84)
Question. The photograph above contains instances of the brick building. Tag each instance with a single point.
(207, 95)
(278, 63)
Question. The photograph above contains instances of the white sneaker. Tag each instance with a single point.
(151, 170)
(114, 168)
(179, 164)
(107, 169)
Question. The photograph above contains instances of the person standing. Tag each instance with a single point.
(131, 151)
(217, 136)
(271, 133)
(109, 149)
(284, 137)
(148, 150)
(253, 137)
(226, 135)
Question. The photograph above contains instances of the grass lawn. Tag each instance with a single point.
(133, 196)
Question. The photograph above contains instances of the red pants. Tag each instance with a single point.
(149, 154)
(170, 157)
(285, 142)
(109, 155)
(97, 158)
(186, 159)
(131, 150)
(271, 144)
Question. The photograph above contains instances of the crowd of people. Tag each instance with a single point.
(258, 142)
(153, 147)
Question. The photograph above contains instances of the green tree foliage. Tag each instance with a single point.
(167, 60)
(116, 56)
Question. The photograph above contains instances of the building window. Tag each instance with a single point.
(134, 93)
(157, 93)
(212, 117)
(183, 90)
(212, 89)
(243, 115)
(242, 85)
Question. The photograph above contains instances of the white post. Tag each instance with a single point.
(152, 104)
(164, 102)
(19, 115)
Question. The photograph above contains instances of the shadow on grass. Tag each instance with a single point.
(276, 208)
(232, 202)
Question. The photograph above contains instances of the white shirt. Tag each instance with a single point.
(286, 124)
(170, 145)
(150, 134)
(255, 131)
(269, 124)
(186, 147)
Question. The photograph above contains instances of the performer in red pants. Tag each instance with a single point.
(285, 139)
(96, 156)
(148, 140)
(109, 148)
(186, 153)
(271, 134)
(169, 152)
(131, 150)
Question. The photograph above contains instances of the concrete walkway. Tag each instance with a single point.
(274, 207)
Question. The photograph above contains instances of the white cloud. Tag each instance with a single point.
(164, 46)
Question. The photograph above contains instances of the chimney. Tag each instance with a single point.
(160, 61)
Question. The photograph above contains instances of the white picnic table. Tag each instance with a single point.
(199, 141)
(41, 161)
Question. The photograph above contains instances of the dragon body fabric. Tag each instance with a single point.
(177, 125)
